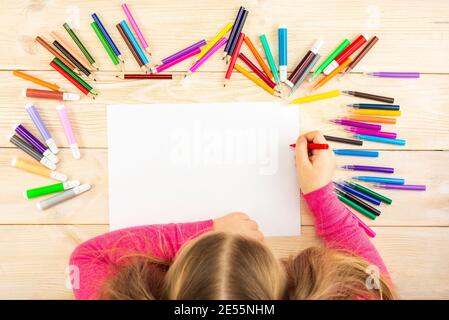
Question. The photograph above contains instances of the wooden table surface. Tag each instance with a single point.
(413, 233)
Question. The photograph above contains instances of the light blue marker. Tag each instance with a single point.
(357, 153)
(107, 36)
(282, 41)
(380, 139)
(380, 179)
(134, 42)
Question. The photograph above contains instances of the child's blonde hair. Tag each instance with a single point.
(229, 266)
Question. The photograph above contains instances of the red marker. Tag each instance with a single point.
(234, 56)
(313, 146)
(346, 53)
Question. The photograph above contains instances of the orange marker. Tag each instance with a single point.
(333, 73)
(375, 119)
(35, 80)
(37, 169)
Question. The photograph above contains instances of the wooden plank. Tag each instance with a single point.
(424, 123)
(428, 208)
(35, 258)
(174, 25)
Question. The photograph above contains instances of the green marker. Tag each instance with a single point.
(105, 43)
(356, 207)
(53, 188)
(79, 44)
(329, 59)
(269, 55)
(371, 193)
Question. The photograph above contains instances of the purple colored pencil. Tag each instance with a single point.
(35, 142)
(165, 66)
(395, 74)
(383, 134)
(358, 124)
(415, 187)
(369, 168)
(183, 51)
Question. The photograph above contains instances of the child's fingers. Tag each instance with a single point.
(315, 137)
(302, 153)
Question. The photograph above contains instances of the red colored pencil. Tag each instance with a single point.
(69, 77)
(235, 54)
(256, 70)
(314, 146)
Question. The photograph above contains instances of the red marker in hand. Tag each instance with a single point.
(313, 146)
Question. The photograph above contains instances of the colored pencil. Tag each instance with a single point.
(72, 76)
(131, 47)
(237, 36)
(107, 37)
(163, 67)
(206, 56)
(362, 54)
(72, 59)
(183, 51)
(80, 45)
(37, 81)
(145, 76)
(76, 54)
(256, 80)
(69, 77)
(55, 53)
(143, 41)
(256, 70)
(258, 57)
(105, 43)
(234, 33)
(134, 42)
(214, 41)
(270, 58)
(235, 54)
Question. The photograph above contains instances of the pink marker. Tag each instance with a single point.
(384, 134)
(203, 59)
(64, 118)
(136, 28)
(192, 53)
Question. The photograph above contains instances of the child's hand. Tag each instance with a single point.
(314, 168)
(240, 223)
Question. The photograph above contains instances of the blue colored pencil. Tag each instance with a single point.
(108, 37)
(134, 42)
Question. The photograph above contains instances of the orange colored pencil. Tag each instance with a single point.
(38, 81)
(336, 71)
(80, 57)
(375, 119)
(258, 57)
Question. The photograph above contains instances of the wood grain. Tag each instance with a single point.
(35, 258)
(424, 123)
(416, 40)
(430, 208)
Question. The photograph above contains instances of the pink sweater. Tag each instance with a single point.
(92, 260)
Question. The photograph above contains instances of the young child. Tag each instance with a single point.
(227, 259)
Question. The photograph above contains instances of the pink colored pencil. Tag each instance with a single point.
(203, 59)
(178, 60)
(136, 28)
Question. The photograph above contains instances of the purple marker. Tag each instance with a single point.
(358, 193)
(37, 120)
(358, 124)
(394, 74)
(369, 168)
(35, 142)
(383, 134)
(415, 187)
(183, 51)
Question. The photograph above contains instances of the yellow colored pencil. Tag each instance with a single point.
(332, 74)
(211, 43)
(319, 96)
(377, 112)
(256, 80)
(38, 81)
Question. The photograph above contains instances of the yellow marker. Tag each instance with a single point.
(37, 169)
(377, 112)
(332, 74)
(256, 80)
(214, 41)
(319, 96)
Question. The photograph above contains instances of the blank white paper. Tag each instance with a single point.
(190, 162)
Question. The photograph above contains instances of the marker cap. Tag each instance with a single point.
(50, 155)
(75, 151)
(52, 145)
(49, 164)
(58, 176)
(82, 188)
(71, 184)
(70, 96)
(317, 46)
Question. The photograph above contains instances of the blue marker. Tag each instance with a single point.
(134, 42)
(356, 153)
(375, 106)
(358, 193)
(380, 179)
(107, 36)
(380, 139)
(282, 40)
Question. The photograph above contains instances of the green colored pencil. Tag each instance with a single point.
(270, 58)
(52, 188)
(332, 56)
(74, 75)
(105, 43)
(80, 44)
(370, 192)
(356, 207)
